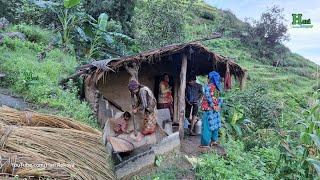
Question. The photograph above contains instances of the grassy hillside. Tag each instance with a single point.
(38, 80)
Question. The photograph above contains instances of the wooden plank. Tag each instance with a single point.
(175, 101)
(182, 102)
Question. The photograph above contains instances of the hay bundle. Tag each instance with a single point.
(11, 116)
(41, 152)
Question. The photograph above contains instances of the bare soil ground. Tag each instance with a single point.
(190, 147)
(178, 164)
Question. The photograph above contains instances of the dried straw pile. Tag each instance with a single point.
(11, 116)
(46, 152)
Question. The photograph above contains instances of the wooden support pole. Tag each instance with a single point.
(182, 102)
(176, 100)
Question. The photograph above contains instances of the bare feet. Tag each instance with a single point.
(213, 143)
(192, 133)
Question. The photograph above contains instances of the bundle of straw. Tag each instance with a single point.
(42, 152)
(11, 116)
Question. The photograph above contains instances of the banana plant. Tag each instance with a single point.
(100, 39)
(310, 135)
(68, 20)
(236, 122)
(67, 15)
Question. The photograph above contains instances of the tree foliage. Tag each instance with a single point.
(158, 23)
(118, 10)
(267, 34)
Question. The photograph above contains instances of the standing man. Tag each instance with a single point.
(143, 100)
(194, 95)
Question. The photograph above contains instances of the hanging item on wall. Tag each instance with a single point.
(227, 78)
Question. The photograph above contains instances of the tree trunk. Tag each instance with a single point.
(182, 102)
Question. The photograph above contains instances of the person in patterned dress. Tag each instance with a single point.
(211, 105)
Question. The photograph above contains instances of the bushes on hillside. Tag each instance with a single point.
(39, 81)
(257, 104)
(158, 23)
(33, 33)
(237, 165)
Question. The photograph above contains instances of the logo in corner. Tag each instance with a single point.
(298, 22)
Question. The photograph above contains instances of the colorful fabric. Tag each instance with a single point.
(165, 94)
(133, 85)
(207, 135)
(227, 79)
(210, 102)
(150, 123)
(146, 103)
(214, 78)
(121, 126)
(193, 93)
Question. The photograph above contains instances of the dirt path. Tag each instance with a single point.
(190, 147)
(10, 99)
(7, 98)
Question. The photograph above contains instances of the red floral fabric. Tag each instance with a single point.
(205, 106)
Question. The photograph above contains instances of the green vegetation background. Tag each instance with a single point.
(261, 134)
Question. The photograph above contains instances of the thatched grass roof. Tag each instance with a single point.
(200, 53)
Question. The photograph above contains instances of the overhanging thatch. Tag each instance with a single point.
(200, 53)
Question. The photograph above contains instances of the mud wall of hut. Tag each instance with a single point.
(115, 85)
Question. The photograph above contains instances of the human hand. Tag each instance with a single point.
(135, 110)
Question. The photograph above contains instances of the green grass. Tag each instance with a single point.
(38, 81)
(238, 164)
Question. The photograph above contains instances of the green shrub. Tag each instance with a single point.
(39, 81)
(258, 105)
(158, 23)
(237, 165)
(207, 15)
(33, 33)
(16, 44)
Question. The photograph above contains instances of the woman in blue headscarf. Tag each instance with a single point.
(211, 104)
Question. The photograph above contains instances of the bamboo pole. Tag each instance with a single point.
(182, 101)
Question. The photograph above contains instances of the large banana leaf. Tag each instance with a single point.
(120, 35)
(103, 21)
(83, 34)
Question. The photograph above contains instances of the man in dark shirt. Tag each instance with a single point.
(193, 97)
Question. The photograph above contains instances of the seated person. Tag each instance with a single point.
(121, 124)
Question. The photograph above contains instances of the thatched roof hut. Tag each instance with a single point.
(107, 79)
(106, 89)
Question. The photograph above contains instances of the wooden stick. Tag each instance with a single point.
(114, 104)
(182, 102)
